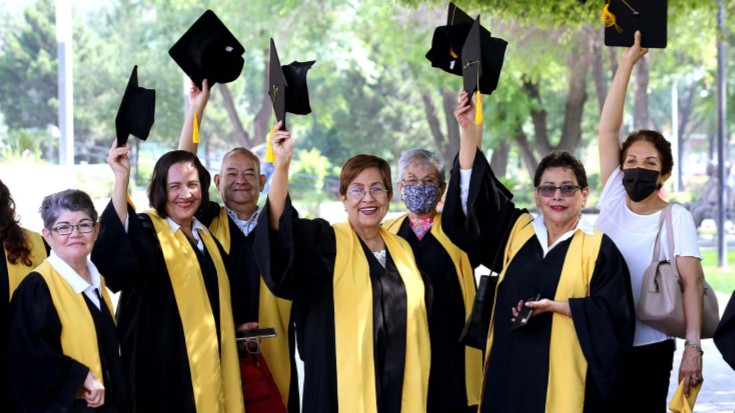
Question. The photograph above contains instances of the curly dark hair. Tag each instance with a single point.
(561, 159)
(12, 235)
(657, 140)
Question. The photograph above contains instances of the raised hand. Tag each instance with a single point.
(635, 52)
(282, 145)
(118, 160)
(198, 98)
(465, 110)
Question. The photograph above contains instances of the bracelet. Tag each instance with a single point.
(695, 346)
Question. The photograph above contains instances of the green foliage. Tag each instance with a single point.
(28, 64)
(720, 279)
(310, 182)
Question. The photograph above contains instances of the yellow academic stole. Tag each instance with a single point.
(353, 324)
(567, 365)
(18, 271)
(465, 274)
(272, 312)
(215, 377)
(78, 333)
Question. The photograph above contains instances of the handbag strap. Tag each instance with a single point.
(666, 219)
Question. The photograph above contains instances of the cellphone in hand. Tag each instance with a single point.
(525, 314)
(256, 333)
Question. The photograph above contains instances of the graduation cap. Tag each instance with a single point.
(208, 50)
(288, 91)
(447, 41)
(482, 61)
(623, 17)
(135, 115)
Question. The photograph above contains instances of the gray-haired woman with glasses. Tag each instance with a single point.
(64, 353)
(563, 315)
(358, 297)
(455, 376)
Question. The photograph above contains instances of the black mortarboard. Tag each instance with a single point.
(136, 112)
(482, 60)
(446, 44)
(623, 17)
(287, 86)
(208, 51)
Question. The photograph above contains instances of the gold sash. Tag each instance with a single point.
(18, 271)
(567, 364)
(215, 375)
(78, 333)
(272, 312)
(353, 323)
(465, 274)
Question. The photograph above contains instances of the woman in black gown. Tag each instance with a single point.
(566, 357)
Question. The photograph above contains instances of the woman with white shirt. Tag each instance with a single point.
(630, 211)
(64, 354)
(566, 357)
(177, 334)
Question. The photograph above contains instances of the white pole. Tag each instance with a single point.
(676, 171)
(65, 82)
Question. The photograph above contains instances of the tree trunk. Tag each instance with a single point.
(574, 107)
(641, 118)
(598, 68)
(433, 120)
(449, 101)
(499, 159)
(529, 157)
(538, 116)
(262, 119)
(240, 134)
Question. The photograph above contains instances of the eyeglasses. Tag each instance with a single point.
(429, 180)
(375, 192)
(66, 229)
(548, 191)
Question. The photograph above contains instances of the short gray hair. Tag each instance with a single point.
(72, 200)
(422, 157)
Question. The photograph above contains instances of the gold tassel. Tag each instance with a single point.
(452, 53)
(270, 156)
(195, 131)
(478, 110)
(130, 201)
(609, 19)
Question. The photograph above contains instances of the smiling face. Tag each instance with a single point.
(240, 181)
(559, 210)
(76, 246)
(183, 193)
(366, 205)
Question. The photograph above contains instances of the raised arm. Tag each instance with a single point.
(283, 148)
(611, 117)
(120, 164)
(197, 102)
(471, 133)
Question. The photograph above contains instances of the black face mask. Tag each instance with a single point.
(639, 183)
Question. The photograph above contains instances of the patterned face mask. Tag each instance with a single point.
(420, 199)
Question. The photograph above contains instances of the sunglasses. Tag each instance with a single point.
(548, 191)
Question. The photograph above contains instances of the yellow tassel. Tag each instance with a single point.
(478, 110)
(130, 201)
(270, 156)
(452, 53)
(609, 19)
(195, 131)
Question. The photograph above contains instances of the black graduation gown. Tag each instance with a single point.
(5, 393)
(151, 334)
(519, 360)
(724, 337)
(297, 263)
(244, 279)
(447, 392)
(43, 379)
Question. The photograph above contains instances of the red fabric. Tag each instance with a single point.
(258, 388)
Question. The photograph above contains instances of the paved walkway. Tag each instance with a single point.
(718, 390)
